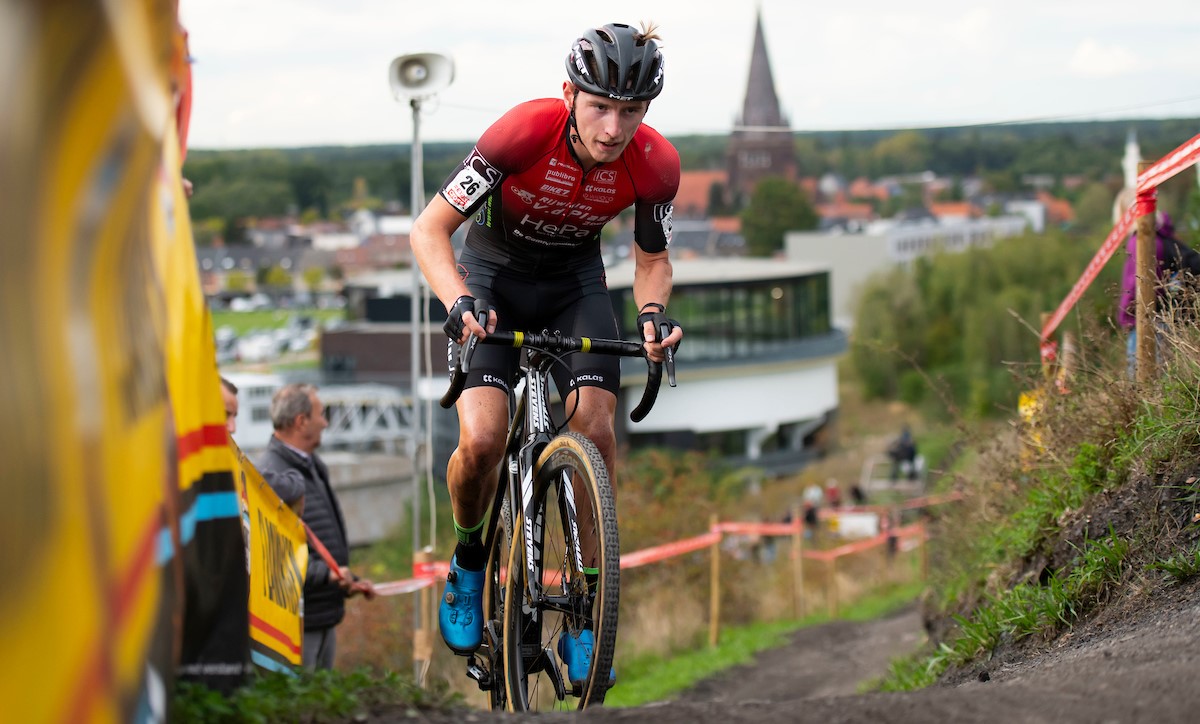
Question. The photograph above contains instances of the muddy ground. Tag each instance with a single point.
(1140, 667)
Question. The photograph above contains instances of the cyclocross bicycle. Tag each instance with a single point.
(553, 515)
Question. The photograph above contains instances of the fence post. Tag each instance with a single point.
(424, 601)
(798, 561)
(1047, 368)
(831, 594)
(1147, 280)
(714, 611)
(924, 537)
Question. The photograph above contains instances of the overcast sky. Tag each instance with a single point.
(284, 73)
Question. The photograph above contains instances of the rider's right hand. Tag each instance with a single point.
(464, 319)
(658, 330)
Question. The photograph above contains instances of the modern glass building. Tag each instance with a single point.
(757, 370)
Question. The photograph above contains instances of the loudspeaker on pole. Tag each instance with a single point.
(420, 75)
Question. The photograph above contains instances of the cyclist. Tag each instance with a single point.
(541, 182)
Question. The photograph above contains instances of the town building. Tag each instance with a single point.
(854, 258)
(761, 145)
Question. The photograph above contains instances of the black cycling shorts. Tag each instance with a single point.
(576, 304)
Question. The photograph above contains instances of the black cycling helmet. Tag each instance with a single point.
(616, 61)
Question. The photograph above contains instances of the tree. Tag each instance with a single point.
(239, 198)
(777, 207)
(716, 199)
(1189, 221)
(911, 196)
(237, 281)
(274, 276)
(1093, 211)
(961, 320)
(206, 231)
(313, 277)
(310, 187)
(905, 152)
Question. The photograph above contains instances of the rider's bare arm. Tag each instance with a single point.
(430, 239)
(652, 283)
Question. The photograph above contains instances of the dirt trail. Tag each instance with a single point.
(1135, 660)
(823, 661)
(1140, 668)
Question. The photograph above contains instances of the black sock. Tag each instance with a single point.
(471, 556)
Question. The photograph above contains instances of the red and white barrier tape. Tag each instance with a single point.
(408, 585)
(1115, 239)
(669, 550)
(1148, 182)
(1174, 162)
(428, 574)
(910, 531)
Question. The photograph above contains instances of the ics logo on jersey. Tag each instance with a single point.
(662, 214)
(606, 176)
(473, 181)
(480, 165)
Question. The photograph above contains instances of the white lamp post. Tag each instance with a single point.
(417, 77)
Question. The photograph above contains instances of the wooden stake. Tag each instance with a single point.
(798, 562)
(425, 602)
(1147, 280)
(831, 593)
(714, 613)
(923, 536)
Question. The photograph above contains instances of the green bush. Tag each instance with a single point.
(322, 696)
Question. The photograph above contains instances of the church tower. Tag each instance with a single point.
(1129, 168)
(761, 144)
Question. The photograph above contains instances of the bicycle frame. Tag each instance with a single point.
(531, 430)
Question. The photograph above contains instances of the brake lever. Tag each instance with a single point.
(468, 350)
(664, 331)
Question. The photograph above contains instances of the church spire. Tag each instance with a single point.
(1129, 163)
(761, 108)
(761, 145)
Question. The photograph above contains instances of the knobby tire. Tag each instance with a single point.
(528, 685)
(492, 650)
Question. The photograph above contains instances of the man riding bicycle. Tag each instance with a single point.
(541, 183)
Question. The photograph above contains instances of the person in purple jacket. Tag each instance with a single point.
(1173, 258)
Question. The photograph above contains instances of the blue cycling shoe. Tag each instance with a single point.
(460, 615)
(576, 652)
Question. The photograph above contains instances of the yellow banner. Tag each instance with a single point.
(87, 434)
(278, 557)
(116, 466)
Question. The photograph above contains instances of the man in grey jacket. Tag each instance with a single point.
(299, 419)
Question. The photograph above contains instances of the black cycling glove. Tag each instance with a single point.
(658, 315)
(454, 319)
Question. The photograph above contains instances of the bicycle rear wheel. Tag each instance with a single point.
(572, 524)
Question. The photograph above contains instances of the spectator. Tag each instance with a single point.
(1173, 257)
(813, 498)
(229, 393)
(289, 484)
(903, 454)
(299, 419)
(833, 493)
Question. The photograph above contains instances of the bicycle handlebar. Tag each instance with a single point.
(560, 344)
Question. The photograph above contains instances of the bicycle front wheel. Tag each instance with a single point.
(563, 577)
(499, 544)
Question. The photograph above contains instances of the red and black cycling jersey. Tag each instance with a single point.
(537, 210)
